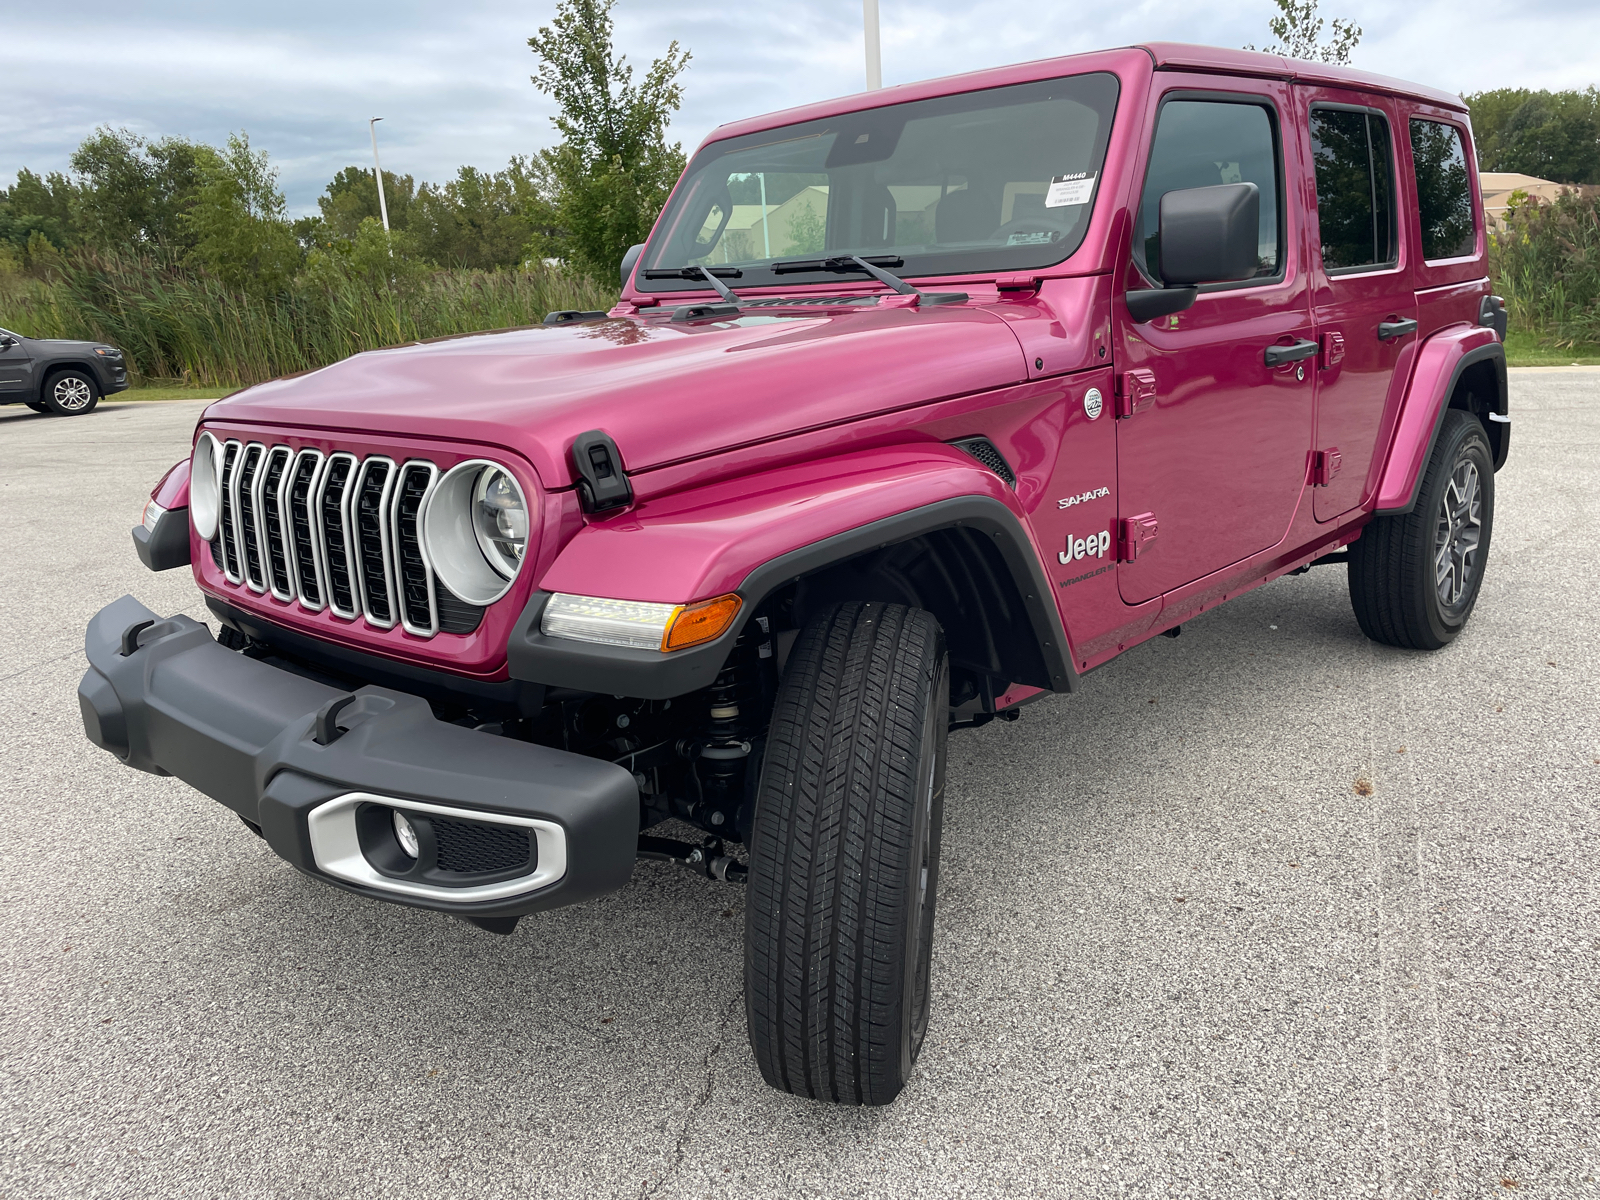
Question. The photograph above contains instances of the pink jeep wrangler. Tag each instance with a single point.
(917, 406)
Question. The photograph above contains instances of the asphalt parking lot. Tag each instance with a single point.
(1266, 910)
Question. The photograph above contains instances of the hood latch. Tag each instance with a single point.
(602, 485)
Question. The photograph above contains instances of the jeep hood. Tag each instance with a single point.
(665, 391)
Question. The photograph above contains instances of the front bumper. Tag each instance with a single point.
(300, 759)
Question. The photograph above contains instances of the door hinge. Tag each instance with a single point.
(1325, 465)
(1332, 350)
(1134, 533)
(1136, 391)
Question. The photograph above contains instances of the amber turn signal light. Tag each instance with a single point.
(696, 623)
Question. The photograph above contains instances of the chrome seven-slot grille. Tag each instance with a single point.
(334, 532)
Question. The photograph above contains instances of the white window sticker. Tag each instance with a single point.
(1067, 190)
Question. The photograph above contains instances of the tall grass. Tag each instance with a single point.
(1546, 263)
(176, 324)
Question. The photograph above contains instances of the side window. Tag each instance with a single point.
(1444, 201)
(1355, 189)
(1201, 143)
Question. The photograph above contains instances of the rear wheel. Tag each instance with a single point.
(71, 394)
(1414, 578)
(844, 857)
(38, 406)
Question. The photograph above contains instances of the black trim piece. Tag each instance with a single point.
(654, 675)
(1495, 353)
(167, 545)
(332, 663)
(1146, 304)
(243, 732)
(567, 316)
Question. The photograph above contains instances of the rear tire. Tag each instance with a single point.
(1414, 578)
(71, 394)
(38, 406)
(844, 856)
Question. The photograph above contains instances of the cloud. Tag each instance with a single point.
(452, 81)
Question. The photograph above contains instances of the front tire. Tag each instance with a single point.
(71, 394)
(1414, 578)
(844, 856)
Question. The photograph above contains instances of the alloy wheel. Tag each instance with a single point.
(1458, 532)
(71, 394)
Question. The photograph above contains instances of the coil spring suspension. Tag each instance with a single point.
(719, 758)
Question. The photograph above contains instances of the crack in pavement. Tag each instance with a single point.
(681, 1144)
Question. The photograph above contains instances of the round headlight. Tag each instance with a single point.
(474, 530)
(205, 486)
(500, 519)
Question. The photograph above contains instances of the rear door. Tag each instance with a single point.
(1362, 302)
(1214, 451)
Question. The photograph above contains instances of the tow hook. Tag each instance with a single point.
(706, 859)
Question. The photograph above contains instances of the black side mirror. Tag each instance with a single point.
(629, 260)
(1208, 235)
(7, 341)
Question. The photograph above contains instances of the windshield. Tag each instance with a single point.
(998, 180)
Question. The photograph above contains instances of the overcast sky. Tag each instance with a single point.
(451, 80)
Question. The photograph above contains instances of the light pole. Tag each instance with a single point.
(869, 21)
(377, 169)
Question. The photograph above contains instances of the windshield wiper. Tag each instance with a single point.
(709, 274)
(850, 264)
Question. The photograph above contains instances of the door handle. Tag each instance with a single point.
(1395, 329)
(1276, 356)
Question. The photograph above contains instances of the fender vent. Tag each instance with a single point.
(982, 449)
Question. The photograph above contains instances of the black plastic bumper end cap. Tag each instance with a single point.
(103, 719)
(167, 545)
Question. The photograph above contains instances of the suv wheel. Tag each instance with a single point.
(844, 856)
(71, 394)
(1414, 578)
(38, 406)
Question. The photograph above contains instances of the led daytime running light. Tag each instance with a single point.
(638, 624)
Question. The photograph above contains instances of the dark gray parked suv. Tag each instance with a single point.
(50, 375)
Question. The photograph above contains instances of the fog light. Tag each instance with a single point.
(405, 833)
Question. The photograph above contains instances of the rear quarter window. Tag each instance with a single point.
(1444, 194)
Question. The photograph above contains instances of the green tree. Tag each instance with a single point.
(1298, 29)
(38, 206)
(237, 221)
(134, 193)
(475, 220)
(613, 170)
(352, 196)
(1553, 135)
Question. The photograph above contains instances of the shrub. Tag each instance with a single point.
(178, 323)
(1546, 263)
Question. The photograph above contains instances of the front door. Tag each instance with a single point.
(16, 368)
(1362, 301)
(1218, 455)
